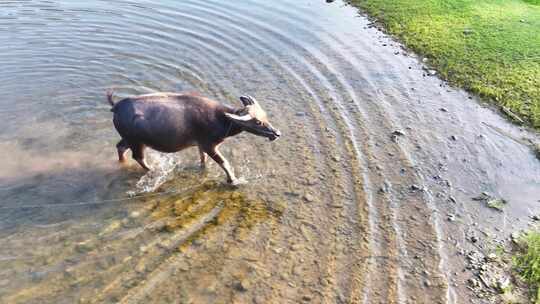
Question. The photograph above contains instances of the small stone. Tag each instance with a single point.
(503, 284)
(443, 110)
(398, 133)
(309, 198)
(491, 257)
(415, 187)
(432, 72)
(242, 285)
(473, 282)
(468, 31)
(451, 217)
(306, 298)
(453, 137)
(474, 239)
(385, 187)
(336, 158)
(427, 283)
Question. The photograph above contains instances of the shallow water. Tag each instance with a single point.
(328, 215)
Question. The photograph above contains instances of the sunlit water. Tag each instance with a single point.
(328, 214)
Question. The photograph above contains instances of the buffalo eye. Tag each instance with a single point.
(258, 122)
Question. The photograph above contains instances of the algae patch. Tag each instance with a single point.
(183, 211)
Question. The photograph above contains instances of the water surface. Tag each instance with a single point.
(330, 213)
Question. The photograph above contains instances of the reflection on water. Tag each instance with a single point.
(328, 214)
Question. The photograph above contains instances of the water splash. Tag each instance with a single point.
(162, 167)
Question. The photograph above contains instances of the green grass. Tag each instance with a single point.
(489, 47)
(527, 261)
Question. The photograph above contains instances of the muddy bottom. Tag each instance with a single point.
(366, 198)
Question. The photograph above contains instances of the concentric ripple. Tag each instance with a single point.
(348, 207)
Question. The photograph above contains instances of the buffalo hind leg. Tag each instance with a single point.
(138, 155)
(122, 147)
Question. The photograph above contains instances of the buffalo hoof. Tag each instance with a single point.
(237, 182)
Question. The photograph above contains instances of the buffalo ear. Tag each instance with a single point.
(247, 100)
(238, 117)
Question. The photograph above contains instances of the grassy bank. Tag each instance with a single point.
(489, 47)
(527, 261)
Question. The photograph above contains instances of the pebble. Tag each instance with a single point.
(309, 198)
(135, 214)
(385, 187)
(503, 284)
(398, 133)
(491, 257)
(473, 282)
(306, 298)
(242, 285)
(415, 187)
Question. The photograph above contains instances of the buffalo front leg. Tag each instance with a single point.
(223, 163)
(203, 156)
(138, 155)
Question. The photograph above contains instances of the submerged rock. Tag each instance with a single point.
(536, 149)
(496, 203)
(491, 201)
(85, 246)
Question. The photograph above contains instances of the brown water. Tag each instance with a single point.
(328, 216)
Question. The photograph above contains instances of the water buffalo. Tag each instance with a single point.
(170, 122)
